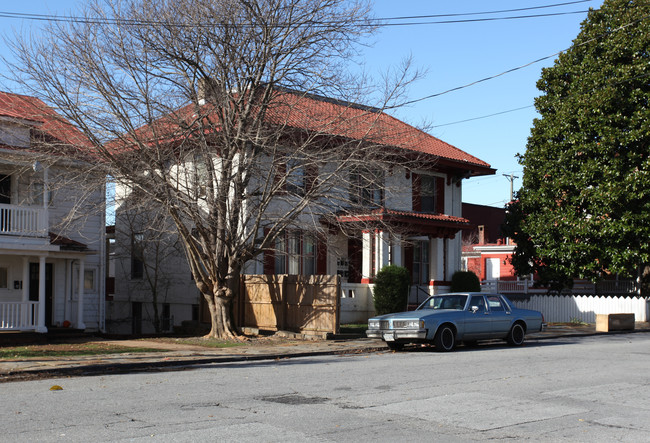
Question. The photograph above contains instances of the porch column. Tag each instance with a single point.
(80, 300)
(25, 278)
(26, 314)
(396, 250)
(383, 251)
(40, 326)
(367, 256)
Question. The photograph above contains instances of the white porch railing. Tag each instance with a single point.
(23, 221)
(18, 316)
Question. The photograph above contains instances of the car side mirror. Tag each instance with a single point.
(474, 309)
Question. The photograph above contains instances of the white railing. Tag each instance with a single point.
(18, 316)
(22, 220)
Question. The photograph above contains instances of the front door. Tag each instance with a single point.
(33, 289)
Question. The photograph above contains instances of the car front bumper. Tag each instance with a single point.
(397, 334)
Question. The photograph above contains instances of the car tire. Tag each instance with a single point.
(516, 335)
(445, 339)
(394, 346)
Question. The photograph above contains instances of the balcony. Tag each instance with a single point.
(23, 221)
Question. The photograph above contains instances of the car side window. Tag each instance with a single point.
(495, 303)
(478, 301)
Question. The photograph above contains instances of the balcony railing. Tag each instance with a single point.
(18, 316)
(23, 221)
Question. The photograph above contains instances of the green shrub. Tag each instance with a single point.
(391, 289)
(465, 281)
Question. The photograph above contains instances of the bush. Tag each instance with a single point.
(465, 281)
(391, 289)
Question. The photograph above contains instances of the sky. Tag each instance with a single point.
(453, 55)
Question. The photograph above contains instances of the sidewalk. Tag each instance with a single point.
(175, 356)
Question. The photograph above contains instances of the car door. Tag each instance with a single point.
(500, 317)
(477, 321)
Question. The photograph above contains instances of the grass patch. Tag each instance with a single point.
(67, 350)
(354, 328)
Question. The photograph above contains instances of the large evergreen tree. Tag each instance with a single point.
(584, 208)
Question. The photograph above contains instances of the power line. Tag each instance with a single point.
(457, 88)
(483, 116)
(378, 22)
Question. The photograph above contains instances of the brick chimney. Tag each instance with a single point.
(481, 234)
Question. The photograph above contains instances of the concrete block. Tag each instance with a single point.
(614, 322)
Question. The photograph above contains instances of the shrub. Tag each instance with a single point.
(391, 289)
(465, 281)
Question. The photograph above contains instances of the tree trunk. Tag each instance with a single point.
(220, 303)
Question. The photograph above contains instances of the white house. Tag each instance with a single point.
(411, 217)
(51, 224)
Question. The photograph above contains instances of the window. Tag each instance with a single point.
(428, 193)
(295, 177)
(366, 187)
(36, 192)
(137, 255)
(478, 301)
(89, 280)
(495, 303)
(421, 263)
(4, 278)
(300, 176)
(295, 254)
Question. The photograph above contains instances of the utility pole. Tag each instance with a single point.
(512, 178)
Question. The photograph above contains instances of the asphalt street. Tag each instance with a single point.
(589, 388)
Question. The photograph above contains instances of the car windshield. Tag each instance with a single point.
(456, 301)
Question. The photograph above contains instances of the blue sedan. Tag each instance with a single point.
(447, 319)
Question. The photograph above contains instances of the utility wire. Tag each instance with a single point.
(457, 88)
(378, 22)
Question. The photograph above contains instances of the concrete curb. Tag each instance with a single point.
(171, 363)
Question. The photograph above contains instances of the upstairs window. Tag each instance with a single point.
(428, 193)
(366, 187)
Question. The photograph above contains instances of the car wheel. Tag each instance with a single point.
(394, 346)
(516, 335)
(445, 339)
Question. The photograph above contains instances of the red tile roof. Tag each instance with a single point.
(328, 116)
(45, 119)
(359, 122)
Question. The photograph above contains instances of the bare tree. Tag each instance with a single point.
(215, 110)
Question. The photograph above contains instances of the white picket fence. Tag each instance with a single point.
(567, 308)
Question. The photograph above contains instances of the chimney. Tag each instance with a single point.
(481, 234)
(206, 89)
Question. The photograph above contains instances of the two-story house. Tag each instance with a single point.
(51, 223)
(409, 214)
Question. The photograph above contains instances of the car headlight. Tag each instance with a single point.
(373, 324)
(408, 324)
